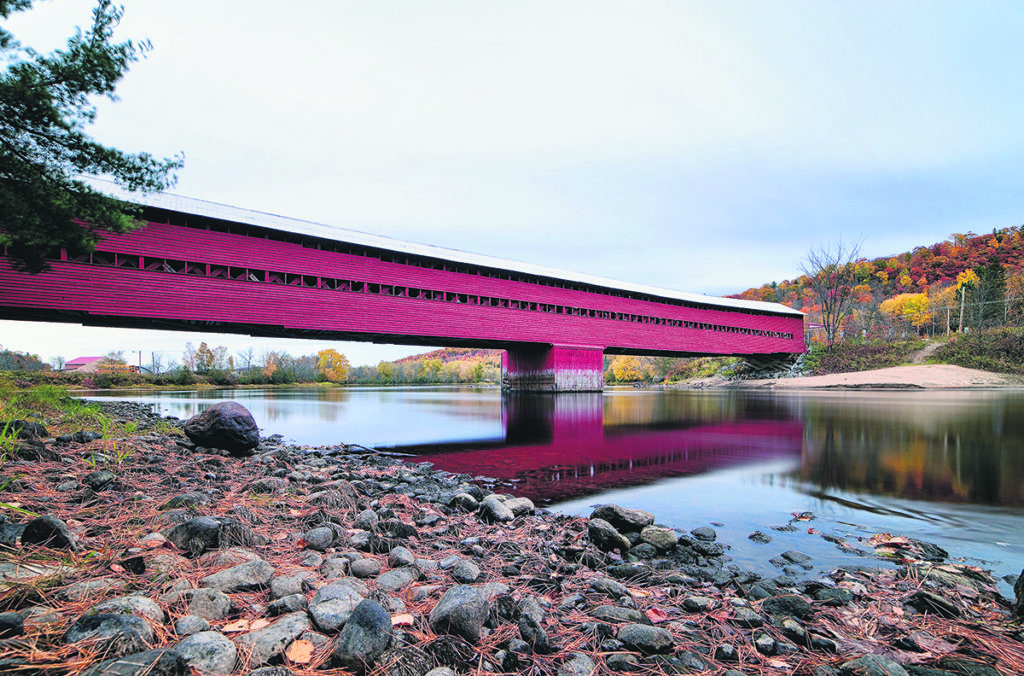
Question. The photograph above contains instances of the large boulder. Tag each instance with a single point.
(1018, 592)
(227, 425)
(366, 635)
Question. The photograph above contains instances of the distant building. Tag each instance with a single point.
(83, 364)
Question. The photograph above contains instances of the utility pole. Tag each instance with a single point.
(947, 322)
(963, 298)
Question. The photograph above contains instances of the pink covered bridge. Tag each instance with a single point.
(208, 267)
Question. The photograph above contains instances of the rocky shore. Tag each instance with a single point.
(155, 554)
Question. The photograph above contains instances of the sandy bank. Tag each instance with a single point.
(917, 376)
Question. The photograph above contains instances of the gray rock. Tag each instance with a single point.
(466, 572)
(606, 537)
(365, 568)
(746, 617)
(339, 589)
(645, 639)
(203, 533)
(461, 611)
(398, 578)
(48, 531)
(579, 664)
(271, 671)
(116, 633)
(699, 604)
(131, 605)
(493, 510)
(441, 671)
(11, 624)
(531, 607)
(287, 585)
(765, 644)
(270, 642)
(787, 604)
(209, 604)
(872, 665)
(335, 567)
(400, 556)
(366, 520)
(759, 537)
(704, 533)
(532, 632)
(162, 662)
(520, 506)
(663, 538)
(609, 587)
(209, 652)
(932, 604)
(619, 614)
(319, 539)
(247, 576)
(465, 502)
(287, 604)
(799, 558)
(227, 425)
(98, 480)
(623, 519)
(366, 635)
(1018, 592)
(332, 606)
(190, 624)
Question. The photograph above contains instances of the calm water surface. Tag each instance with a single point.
(945, 467)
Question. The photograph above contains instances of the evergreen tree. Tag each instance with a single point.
(46, 102)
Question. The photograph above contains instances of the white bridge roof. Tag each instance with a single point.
(224, 212)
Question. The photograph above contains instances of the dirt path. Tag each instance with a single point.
(921, 355)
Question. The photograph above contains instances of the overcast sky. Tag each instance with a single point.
(699, 146)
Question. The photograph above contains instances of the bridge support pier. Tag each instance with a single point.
(552, 368)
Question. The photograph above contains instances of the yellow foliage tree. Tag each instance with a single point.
(627, 368)
(912, 307)
(333, 365)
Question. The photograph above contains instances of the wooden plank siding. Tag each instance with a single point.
(124, 283)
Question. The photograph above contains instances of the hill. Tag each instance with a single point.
(926, 289)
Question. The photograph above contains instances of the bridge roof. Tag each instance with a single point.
(197, 207)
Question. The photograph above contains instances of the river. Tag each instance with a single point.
(946, 467)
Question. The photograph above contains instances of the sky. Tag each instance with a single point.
(703, 146)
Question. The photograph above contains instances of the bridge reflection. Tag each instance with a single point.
(558, 447)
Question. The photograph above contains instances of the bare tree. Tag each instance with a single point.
(830, 275)
(58, 363)
(247, 359)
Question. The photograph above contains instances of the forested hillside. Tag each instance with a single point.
(980, 277)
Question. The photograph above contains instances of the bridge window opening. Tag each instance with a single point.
(275, 277)
(103, 258)
(219, 271)
(126, 261)
(196, 269)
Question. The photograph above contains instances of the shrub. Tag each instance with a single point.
(1000, 350)
(859, 355)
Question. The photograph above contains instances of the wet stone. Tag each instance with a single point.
(746, 617)
(787, 604)
(623, 519)
(759, 537)
(798, 558)
(834, 597)
(726, 652)
(705, 534)
(609, 587)
(872, 665)
(645, 639)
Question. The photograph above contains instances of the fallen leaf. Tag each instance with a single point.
(258, 624)
(300, 651)
(403, 620)
(116, 568)
(236, 626)
(656, 615)
(638, 593)
(295, 512)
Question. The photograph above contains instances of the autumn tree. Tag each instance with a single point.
(831, 276)
(628, 368)
(46, 103)
(204, 359)
(914, 308)
(332, 365)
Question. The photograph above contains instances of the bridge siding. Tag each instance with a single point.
(146, 294)
(241, 251)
